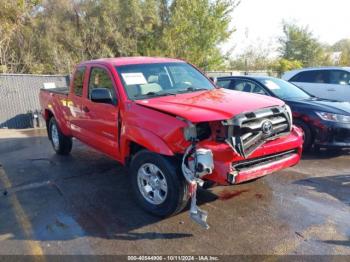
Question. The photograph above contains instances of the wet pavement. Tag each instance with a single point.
(82, 204)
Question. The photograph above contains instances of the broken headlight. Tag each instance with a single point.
(198, 131)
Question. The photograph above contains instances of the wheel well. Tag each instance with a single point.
(48, 116)
(133, 149)
(312, 131)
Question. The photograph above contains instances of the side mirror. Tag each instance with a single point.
(101, 95)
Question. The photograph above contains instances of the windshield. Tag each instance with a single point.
(284, 89)
(150, 80)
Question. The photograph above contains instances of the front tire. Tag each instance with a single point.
(158, 187)
(308, 137)
(61, 144)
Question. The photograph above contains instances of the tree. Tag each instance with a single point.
(13, 16)
(51, 36)
(283, 65)
(343, 46)
(254, 57)
(299, 44)
(196, 28)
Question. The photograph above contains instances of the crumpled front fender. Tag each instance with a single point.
(144, 138)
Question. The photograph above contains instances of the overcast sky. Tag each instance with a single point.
(261, 20)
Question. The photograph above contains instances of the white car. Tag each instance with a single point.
(325, 82)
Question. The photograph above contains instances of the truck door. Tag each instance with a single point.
(74, 102)
(101, 119)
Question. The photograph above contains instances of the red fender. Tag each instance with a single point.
(144, 138)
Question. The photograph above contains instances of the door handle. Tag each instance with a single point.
(86, 109)
(331, 89)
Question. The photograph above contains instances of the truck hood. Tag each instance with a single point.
(213, 105)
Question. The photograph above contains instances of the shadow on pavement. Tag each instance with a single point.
(337, 186)
(64, 198)
(325, 154)
(150, 236)
(338, 242)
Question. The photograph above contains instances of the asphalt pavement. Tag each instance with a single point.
(82, 204)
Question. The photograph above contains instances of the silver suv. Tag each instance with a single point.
(325, 82)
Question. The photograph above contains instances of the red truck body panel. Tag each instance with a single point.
(157, 123)
(212, 105)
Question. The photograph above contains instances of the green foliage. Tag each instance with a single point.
(283, 65)
(253, 58)
(13, 17)
(299, 44)
(51, 36)
(343, 46)
(196, 28)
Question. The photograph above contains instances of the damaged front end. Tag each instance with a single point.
(196, 163)
(248, 131)
(244, 134)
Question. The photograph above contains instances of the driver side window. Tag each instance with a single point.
(99, 78)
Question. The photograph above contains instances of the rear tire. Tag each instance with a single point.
(308, 137)
(61, 143)
(158, 186)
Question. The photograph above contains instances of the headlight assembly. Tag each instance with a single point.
(190, 132)
(199, 131)
(333, 117)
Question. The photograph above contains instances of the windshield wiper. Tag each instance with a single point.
(153, 94)
(192, 89)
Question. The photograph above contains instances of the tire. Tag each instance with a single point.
(308, 137)
(317, 149)
(61, 144)
(148, 173)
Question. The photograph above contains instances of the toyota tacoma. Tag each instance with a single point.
(172, 127)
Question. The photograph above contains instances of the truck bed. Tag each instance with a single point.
(57, 90)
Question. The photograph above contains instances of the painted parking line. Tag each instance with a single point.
(34, 247)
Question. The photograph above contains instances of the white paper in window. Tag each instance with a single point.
(271, 85)
(49, 85)
(134, 78)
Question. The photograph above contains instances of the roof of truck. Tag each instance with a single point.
(119, 61)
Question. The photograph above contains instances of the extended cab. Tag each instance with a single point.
(172, 126)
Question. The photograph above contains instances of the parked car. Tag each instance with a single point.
(172, 127)
(326, 123)
(327, 82)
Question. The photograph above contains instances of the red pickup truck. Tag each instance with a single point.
(172, 126)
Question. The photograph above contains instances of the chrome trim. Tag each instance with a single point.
(244, 131)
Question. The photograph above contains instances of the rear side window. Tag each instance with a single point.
(78, 81)
(313, 76)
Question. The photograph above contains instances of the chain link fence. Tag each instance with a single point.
(19, 98)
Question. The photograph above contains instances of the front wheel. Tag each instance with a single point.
(308, 137)
(157, 186)
(61, 144)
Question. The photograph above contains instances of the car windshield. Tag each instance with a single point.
(284, 90)
(160, 79)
